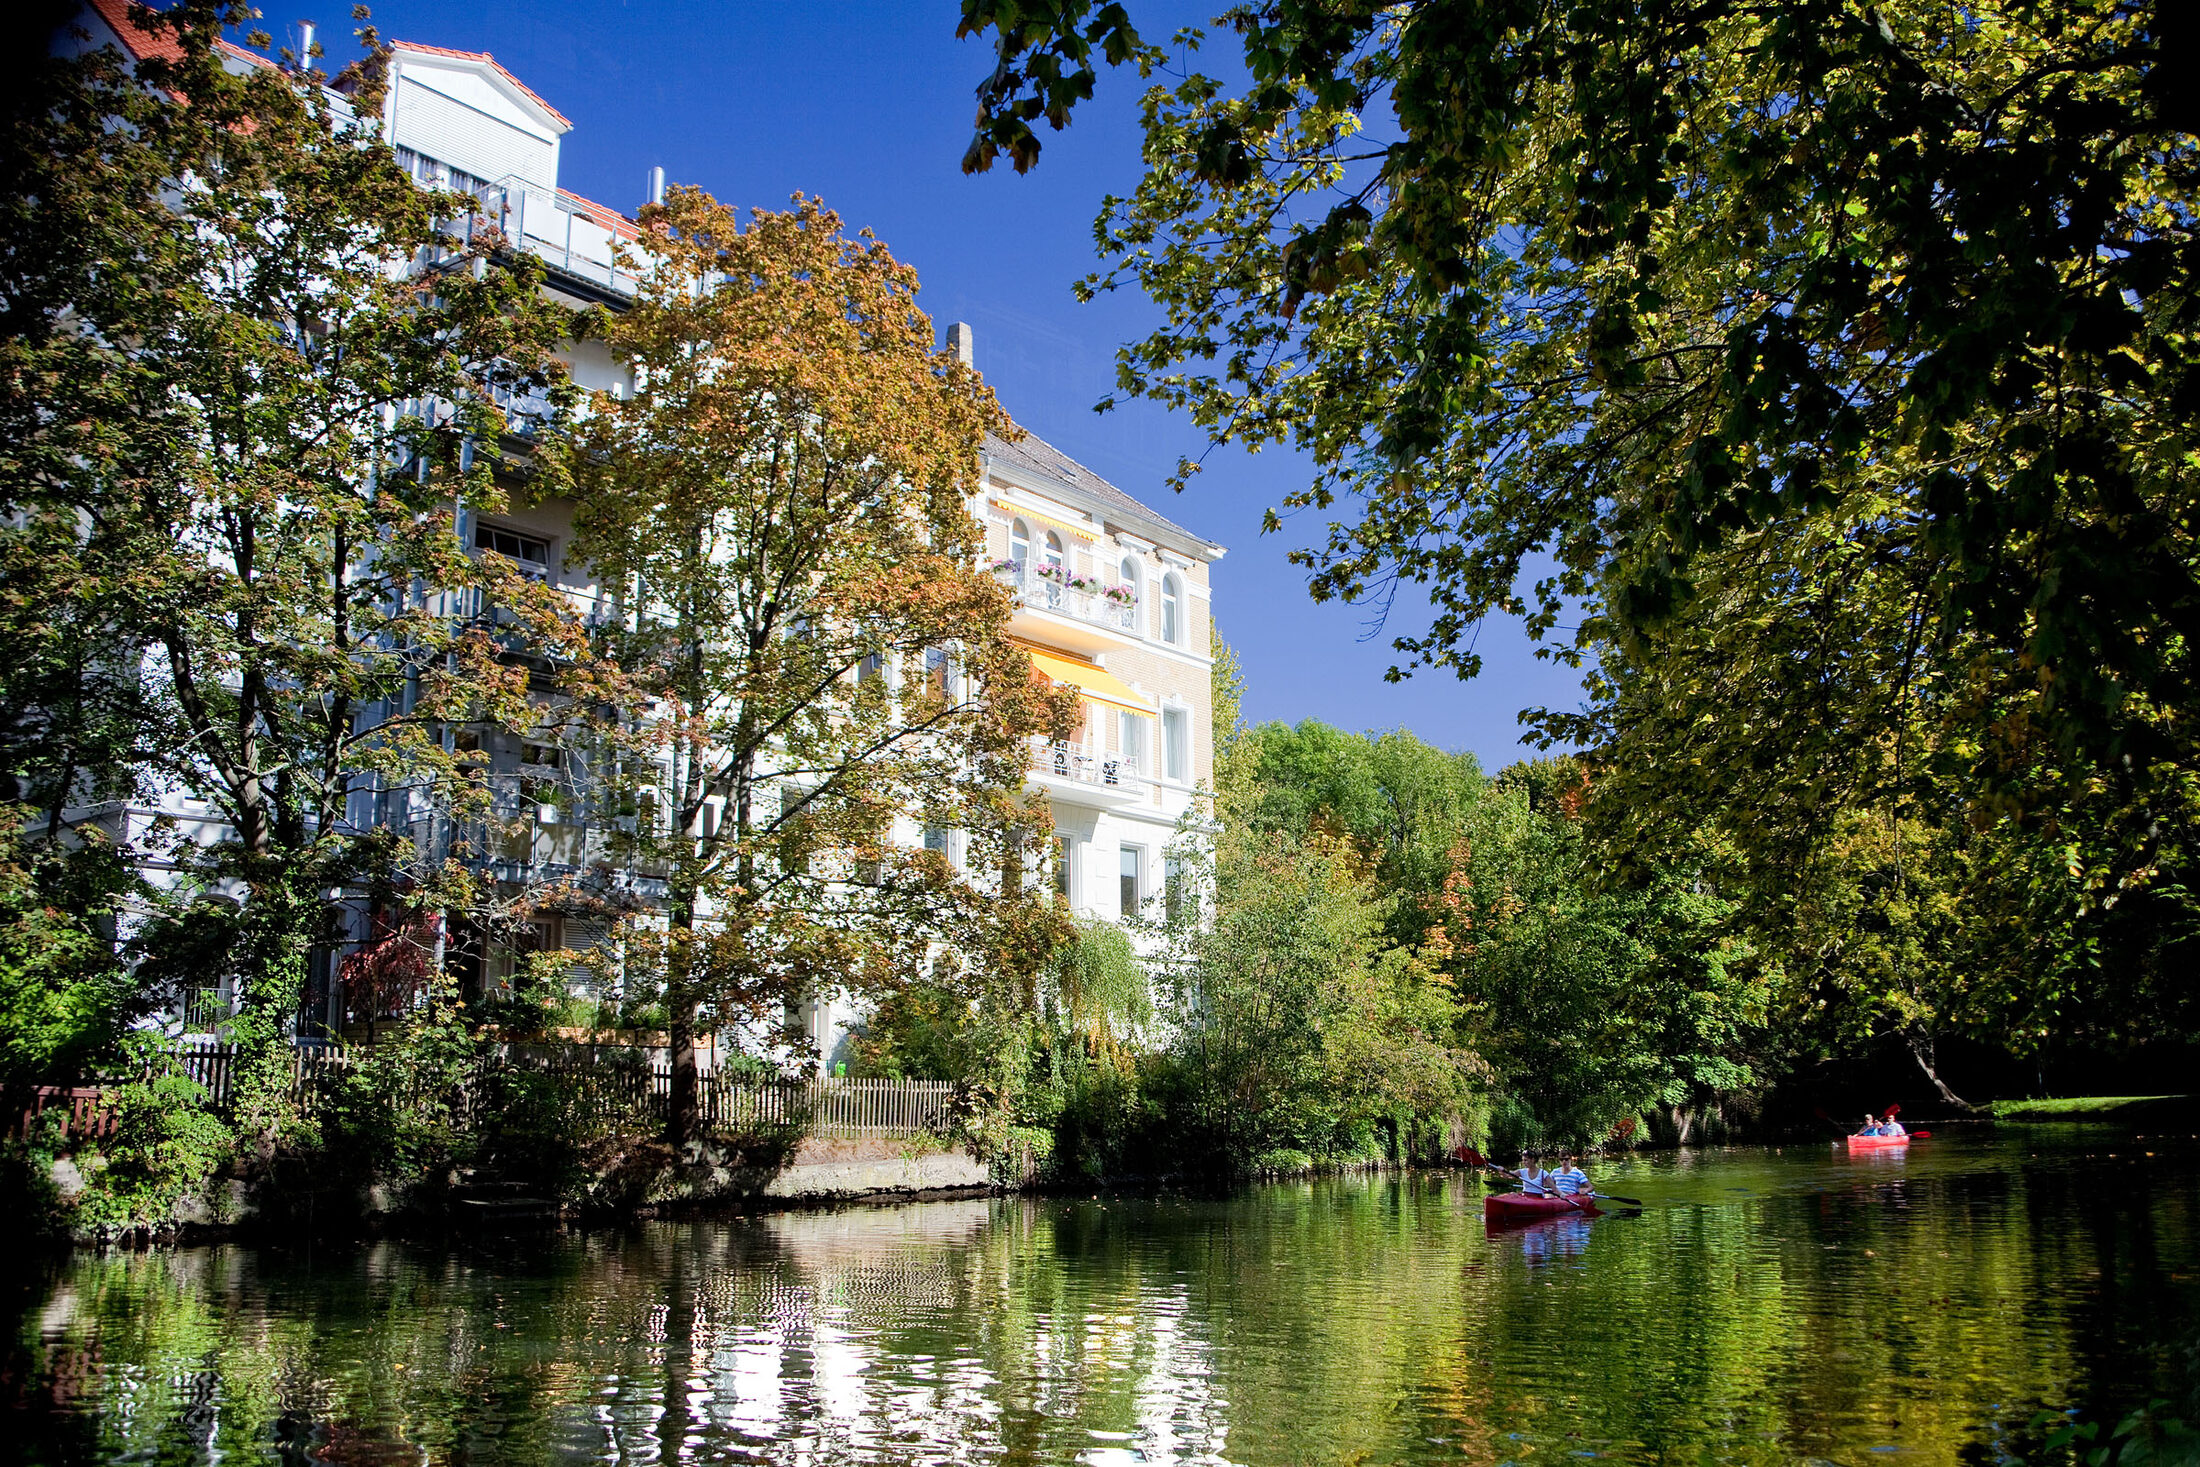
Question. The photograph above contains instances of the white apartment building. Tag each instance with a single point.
(1113, 598)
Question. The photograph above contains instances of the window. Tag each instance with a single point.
(1053, 573)
(1019, 543)
(935, 838)
(1172, 889)
(533, 555)
(1131, 743)
(1129, 880)
(1062, 854)
(939, 671)
(540, 766)
(872, 666)
(1172, 611)
(1176, 744)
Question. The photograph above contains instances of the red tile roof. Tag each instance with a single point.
(145, 45)
(427, 50)
(605, 215)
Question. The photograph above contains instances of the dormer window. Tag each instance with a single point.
(533, 555)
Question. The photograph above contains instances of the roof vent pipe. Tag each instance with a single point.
(306, 30)
(656, 185)
(959, 342)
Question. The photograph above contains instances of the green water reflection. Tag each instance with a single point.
(1765, 1307)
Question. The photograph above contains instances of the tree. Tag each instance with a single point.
(781, 510)
(1295, 1023)
(1402, 801)
(1686, 314)
(248, 374)
(1591, 1005)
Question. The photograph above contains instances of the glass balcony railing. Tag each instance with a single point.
(1054, 588)
(565, 233)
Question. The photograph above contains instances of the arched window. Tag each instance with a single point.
(1019, 543)
(1172, 611)
(1124, 613)
(1052, 572)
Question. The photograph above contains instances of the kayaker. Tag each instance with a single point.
(1871, 1125)
(1892, 1127)
(1572, 1180)
(1535, 1181)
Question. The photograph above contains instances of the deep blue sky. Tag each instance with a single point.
(868, 105)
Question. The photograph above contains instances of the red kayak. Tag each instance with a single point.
(1876, 1143)
(1520, 1207)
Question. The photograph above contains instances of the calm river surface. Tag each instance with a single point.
(1767, 1306)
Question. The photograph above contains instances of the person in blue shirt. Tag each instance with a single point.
(1572, 1180)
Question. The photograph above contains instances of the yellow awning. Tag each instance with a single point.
(1067, 527)
(1096, 683)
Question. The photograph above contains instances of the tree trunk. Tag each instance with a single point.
(683, 1108)
(1921, 1050)
(684, 1114)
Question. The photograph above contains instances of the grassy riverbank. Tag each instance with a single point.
(2097, 1108)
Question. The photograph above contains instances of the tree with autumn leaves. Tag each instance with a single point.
(248, 377)
(827, 752)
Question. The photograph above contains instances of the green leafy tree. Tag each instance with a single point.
(1297, 1025)
(247, 375)
(1591, 1005)
(1824, 371)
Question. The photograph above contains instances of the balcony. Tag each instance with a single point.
(1080, 775)
(1083, 601)
(563, 232)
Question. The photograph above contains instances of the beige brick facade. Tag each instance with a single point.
(1117, 796)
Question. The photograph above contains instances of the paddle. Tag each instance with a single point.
(1475, 1158)
(1896, 1109)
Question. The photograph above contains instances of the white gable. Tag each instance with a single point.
(467, 114)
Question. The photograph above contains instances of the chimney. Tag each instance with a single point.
(656, 185)
(958, 342)
(306, 30)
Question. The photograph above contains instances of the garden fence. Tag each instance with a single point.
(597, 1081)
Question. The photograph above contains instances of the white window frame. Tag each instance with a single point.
(1065, 868)
(1172, 609)
(1135, 858)
(489, 530)
(1176, 744)
(1130, 741)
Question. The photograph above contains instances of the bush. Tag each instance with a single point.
(168, 1143)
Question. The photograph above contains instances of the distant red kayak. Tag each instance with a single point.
(1520, 1207)
(1876, 1143)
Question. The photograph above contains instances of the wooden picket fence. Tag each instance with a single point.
(594, 1081)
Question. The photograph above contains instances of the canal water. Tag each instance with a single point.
(1765, 1306)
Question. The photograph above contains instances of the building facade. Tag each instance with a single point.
(1112, 598)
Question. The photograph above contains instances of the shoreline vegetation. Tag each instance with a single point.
(2097, 1108)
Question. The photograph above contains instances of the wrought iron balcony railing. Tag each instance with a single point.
(1064, 759)
(1047, 588)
